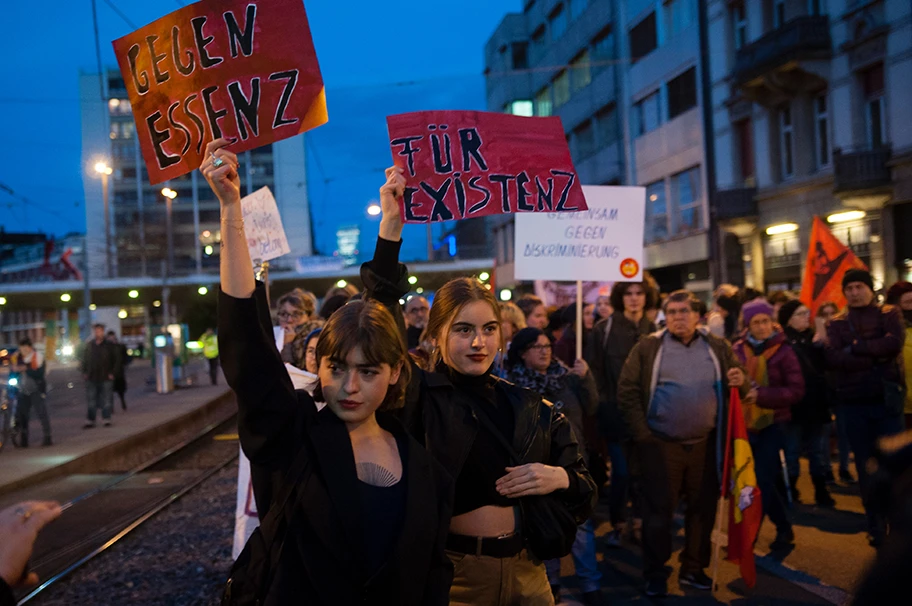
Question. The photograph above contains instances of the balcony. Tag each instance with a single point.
(737, 203)
(778, 66)
(861, 170)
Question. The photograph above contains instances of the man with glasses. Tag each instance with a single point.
(417, 311)
(673, 394)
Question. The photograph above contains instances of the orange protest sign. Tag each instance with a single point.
(827, 261)
(242, 70)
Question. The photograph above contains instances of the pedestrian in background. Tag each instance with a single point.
(30, 368)
(119, 385)
(99, 365)
(211, 353)
(900, 294)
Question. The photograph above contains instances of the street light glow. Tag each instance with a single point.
(483, 276)
(208, 250)
(133, 294)
(207, 233)
(202, 290)
(122, 314)
(93, 307)
(341, 284)
(169, 193)
(781, 228)
(103, 169)
(374, 210)
(65, 297)
(156, 303)
(413, 279)
(419, 290)
(849, 215)
(2, 300)
(506, 294)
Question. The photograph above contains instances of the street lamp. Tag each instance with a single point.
(65, 297)
(202, 290)
(341, 284)
(374, 210)
(169, 195)
(105, 171)
(133, 294)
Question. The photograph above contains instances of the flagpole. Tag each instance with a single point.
(717, 536)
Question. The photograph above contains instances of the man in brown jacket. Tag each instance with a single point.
(673, 394)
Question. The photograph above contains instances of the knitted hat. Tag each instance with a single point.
(522, 340)
(754, 308)
(858, 275)
(787, 310)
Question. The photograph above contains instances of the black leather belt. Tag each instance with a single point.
(496, 547)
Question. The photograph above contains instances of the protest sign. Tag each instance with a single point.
(465, 164)
(603, 243)
(559, 294)
(263, 226)
(242, 70)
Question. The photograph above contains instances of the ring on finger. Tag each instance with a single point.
(216, 162)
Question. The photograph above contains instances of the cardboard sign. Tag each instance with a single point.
(243, 70)
(603, 243)
(263, 225)
(465, 164)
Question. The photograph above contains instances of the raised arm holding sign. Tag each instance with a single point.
(465, 164)
(241, 70)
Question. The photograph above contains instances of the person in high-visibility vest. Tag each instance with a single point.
(210, 350)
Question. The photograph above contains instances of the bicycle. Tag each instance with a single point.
(9, 431)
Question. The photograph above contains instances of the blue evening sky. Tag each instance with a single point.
(377, 58)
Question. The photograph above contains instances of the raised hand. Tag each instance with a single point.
(220, 167)
(390, 194)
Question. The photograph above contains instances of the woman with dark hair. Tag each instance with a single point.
(722, 320)
(310, 350)
(610, 343)
(350, 473)
(531, 365)
(467, 417)
(534, 310)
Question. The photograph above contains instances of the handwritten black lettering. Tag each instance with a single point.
(202, 41)
(408, 150)
(566, 192)
(442, 165)
(211, 113)
(141, 79)
(234, 32)
(196, 120)
(439, 210)
(179, 126)
(473, 184)
(470, 142)
(158, 139)
(292, 77)
(504, 181)
(246, 110)
(408, 197)
(521, 194)
(545, 198)
(185, 70)
(160, 77)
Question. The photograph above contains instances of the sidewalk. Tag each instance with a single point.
(146, 411)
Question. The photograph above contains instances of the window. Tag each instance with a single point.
(606, 126)
(646, 115)
(521, 107)
(584, 138)
(821, 131)
(577, 7)
(538, 38)
(580, 69)
(778, 13)
(682, 93)
(686, 192)
(643, 38)
(520, 55)
(739, 25)
(679, 15)
(127, 130)
(128, 172)
(558, 22)
(656, 212)
(543, 102)
(744, 132)
(816, 7)
(785, 142)
(873, 88)
(561, 86)
(602, 50)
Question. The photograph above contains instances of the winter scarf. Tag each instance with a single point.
(756, 360)
(549, 384)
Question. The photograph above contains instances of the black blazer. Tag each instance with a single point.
(437, 414)
(321, 562)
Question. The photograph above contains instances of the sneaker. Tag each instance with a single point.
(784, 540)
(845, 476)
(555, 591)
(613, 538)
(697, 580)
(657, 588)
(591, 598)
(107, 423)
(89, 425)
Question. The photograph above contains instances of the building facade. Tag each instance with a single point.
(624, 77)
(812, 117)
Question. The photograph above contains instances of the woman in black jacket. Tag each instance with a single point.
(444, 409)
(370, 511)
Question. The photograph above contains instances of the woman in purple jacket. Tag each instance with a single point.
(778, 384)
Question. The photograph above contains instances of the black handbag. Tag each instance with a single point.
(253, 571)
(548, 526)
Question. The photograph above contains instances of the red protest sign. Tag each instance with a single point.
(238, 69)
(464, 164)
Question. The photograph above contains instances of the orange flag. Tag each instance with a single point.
(745, 512)
(827, 261)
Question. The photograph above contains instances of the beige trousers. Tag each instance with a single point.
(485, 581)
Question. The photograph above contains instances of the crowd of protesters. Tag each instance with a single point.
(451, 451)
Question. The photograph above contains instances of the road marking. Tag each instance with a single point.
(226, 437)
(806, 581)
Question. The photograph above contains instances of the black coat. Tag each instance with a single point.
(814, 408)
(321, 562)
(439, 416)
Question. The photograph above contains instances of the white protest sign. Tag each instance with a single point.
(265, 235)
(604, 243)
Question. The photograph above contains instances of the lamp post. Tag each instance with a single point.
(105, 171)
(169, 195)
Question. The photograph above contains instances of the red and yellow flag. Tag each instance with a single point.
(827, 261)
(745, 512)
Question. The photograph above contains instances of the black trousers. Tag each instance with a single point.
(24, 408)
(213, 370)
(670, 469)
